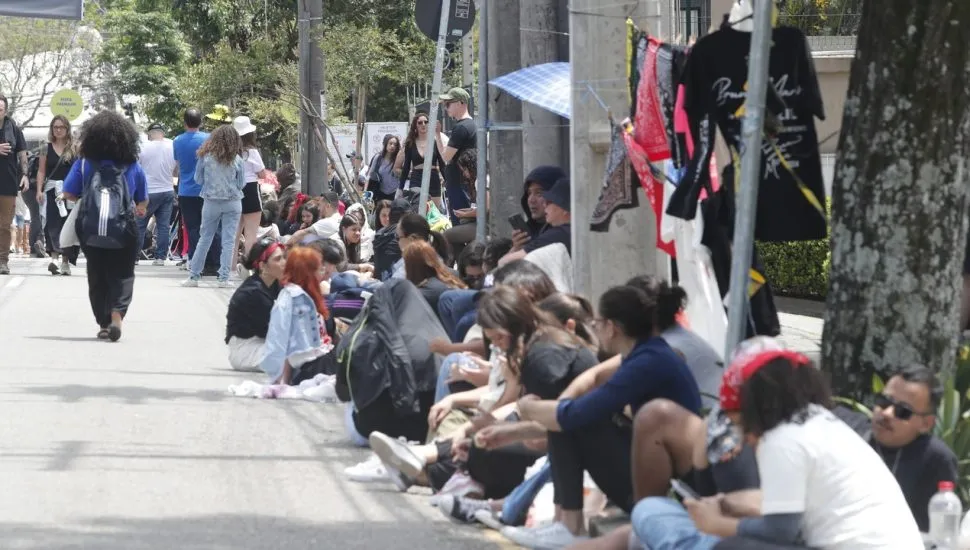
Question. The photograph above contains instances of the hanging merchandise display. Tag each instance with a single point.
(791, 193)
(620, 182)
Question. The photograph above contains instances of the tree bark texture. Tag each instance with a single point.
(899, 204)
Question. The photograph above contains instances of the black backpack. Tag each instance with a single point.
(105, 218)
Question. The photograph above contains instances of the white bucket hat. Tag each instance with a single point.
(243, 125)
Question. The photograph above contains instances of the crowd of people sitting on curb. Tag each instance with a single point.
(483, 378)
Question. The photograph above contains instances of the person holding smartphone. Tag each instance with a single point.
(13, 179)
(557, 218)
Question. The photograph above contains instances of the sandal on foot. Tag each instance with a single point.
(103, 334)
(114, 333)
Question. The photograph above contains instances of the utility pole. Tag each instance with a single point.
(505, 170)
(543, 132)
(313, 163)
(597, 50)
(468, 61)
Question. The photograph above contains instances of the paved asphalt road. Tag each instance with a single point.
(136, 445)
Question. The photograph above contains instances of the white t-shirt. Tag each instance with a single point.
(252, 164)
(327, 227)
(848, 499)
(157, 159)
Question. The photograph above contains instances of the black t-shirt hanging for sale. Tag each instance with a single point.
(715, 81)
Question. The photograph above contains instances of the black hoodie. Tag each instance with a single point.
(546, 176)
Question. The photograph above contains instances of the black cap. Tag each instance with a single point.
(331, 197)
(155, 126)
(400, 205)
(559, 194)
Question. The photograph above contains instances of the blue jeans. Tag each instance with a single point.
(663, 524)
(516, 505)
(159, 205)
(453, 306)
(441, 389)
(214, 212)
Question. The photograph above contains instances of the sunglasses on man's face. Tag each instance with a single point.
(901, 411)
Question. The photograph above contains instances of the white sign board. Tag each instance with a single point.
(374, 133)
(346, 136)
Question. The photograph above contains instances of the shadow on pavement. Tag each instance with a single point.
(132, 395)
(92, 338)
(243, 531)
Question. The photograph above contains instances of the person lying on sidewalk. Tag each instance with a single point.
(822, 486)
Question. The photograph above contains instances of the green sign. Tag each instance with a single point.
(67, 103)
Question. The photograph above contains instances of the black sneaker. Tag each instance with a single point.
(461, 509)
(4, 269)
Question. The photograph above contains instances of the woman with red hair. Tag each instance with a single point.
(297, 344)
(424, 268)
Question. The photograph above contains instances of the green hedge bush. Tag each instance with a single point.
(798, 269)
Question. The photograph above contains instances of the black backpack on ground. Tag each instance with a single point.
(105, 218)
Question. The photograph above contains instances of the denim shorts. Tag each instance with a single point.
(19, 221)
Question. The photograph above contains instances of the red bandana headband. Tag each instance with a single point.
(744, 366)
(266, 254)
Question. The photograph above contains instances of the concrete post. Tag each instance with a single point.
(504, 146)
(598, 52)
(543, 133)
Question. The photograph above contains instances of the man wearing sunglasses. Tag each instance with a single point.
(902, 433)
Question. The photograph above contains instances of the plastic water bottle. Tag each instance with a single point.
(945, 514)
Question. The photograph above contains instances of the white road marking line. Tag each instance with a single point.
(14, 283)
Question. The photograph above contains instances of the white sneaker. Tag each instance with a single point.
(369, 471)
(190, 282)
(396, 455)
(224, 284)
(547, 537)
(65, 268)
(158, 262)
(401, 481)
(460, 484)
(489, 519)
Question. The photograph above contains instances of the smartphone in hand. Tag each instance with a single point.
(518, 223)
(685, 491)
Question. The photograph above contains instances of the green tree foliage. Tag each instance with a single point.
(243, 53)
(38, 57)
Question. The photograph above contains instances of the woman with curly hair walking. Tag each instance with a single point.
(109, 148)
(221, 174)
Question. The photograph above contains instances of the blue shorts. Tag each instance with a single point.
(19, 221)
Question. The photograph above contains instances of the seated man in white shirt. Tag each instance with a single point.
(327, 227)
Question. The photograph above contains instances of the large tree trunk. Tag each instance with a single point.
(899, 205)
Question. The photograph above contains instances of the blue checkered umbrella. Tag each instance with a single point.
(546, 86)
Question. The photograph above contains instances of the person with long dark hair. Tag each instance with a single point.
(382, 214)
(247, 320)
(297, 344)
(822, 486)
(411, 161)
(53, 166)
(380, 174)
(414, 228)
(109, 147)
(464, 231)
(586, 425)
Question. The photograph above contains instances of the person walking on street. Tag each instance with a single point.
(29, 196)
(157, 159)
(463, 136)
(108, 180)
(54, 164)
(221, 175)
(185, 147)
(13, 179)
